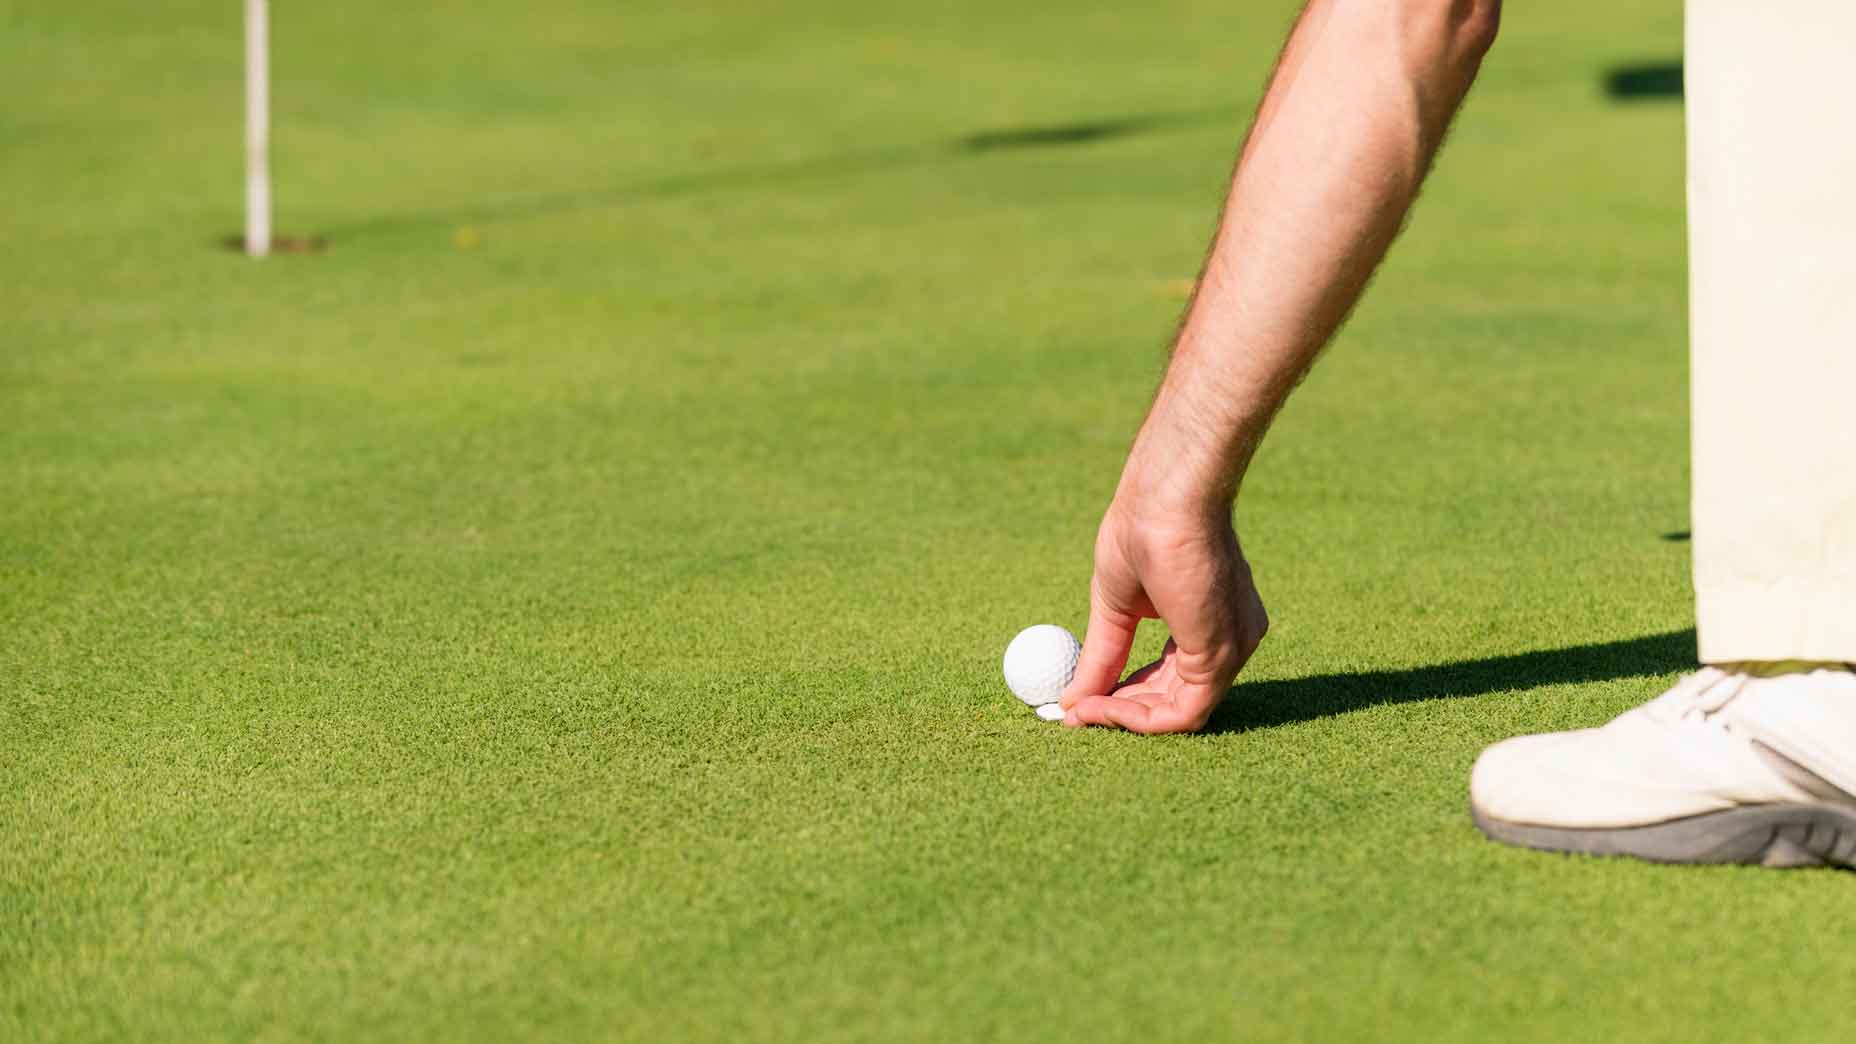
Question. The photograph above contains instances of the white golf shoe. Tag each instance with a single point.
(1752, 763)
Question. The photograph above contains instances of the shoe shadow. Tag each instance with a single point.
(1263, 704)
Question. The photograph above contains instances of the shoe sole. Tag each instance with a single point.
(1758, 835)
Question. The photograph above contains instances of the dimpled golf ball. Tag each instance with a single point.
(1040, 662)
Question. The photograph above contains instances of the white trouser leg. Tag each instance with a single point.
(1771, 98)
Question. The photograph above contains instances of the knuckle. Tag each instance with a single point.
(1253, 639)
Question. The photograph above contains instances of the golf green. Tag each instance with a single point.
(570, 605)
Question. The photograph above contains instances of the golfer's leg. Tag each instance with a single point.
(1772, 261)
(1753, 761)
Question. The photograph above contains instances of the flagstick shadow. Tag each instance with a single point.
(817, 169)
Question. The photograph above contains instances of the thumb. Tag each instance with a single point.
(1106, 645)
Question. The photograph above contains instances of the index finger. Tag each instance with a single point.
(1106, 645)
(1187, 712)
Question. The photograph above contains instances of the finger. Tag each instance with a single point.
(1153, 682)
(1150, 676)
(1147, 697)
(1187, 710)
(1108, 711)
(1106, 645)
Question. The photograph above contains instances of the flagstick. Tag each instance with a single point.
(257, 129)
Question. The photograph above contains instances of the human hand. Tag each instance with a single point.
(1183, 567)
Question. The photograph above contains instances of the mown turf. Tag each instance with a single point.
(587, 625)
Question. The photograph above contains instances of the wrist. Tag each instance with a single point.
(1180, 469)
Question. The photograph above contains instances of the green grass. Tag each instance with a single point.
(594, 634)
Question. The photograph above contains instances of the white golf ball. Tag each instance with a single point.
(1050, 711)
(1040, 662)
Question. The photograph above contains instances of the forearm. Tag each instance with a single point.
(1359, 104)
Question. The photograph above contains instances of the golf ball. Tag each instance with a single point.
(1040, 662)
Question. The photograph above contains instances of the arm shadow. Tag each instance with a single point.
(1263, 704)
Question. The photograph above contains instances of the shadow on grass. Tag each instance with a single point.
(806, 171)
(1087, 131)
(1257, 705)
(1644, 81)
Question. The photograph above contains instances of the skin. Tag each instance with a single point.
(1359, 103)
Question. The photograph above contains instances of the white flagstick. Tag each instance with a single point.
(257, 129)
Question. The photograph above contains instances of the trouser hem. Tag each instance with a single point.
(1776, 625)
